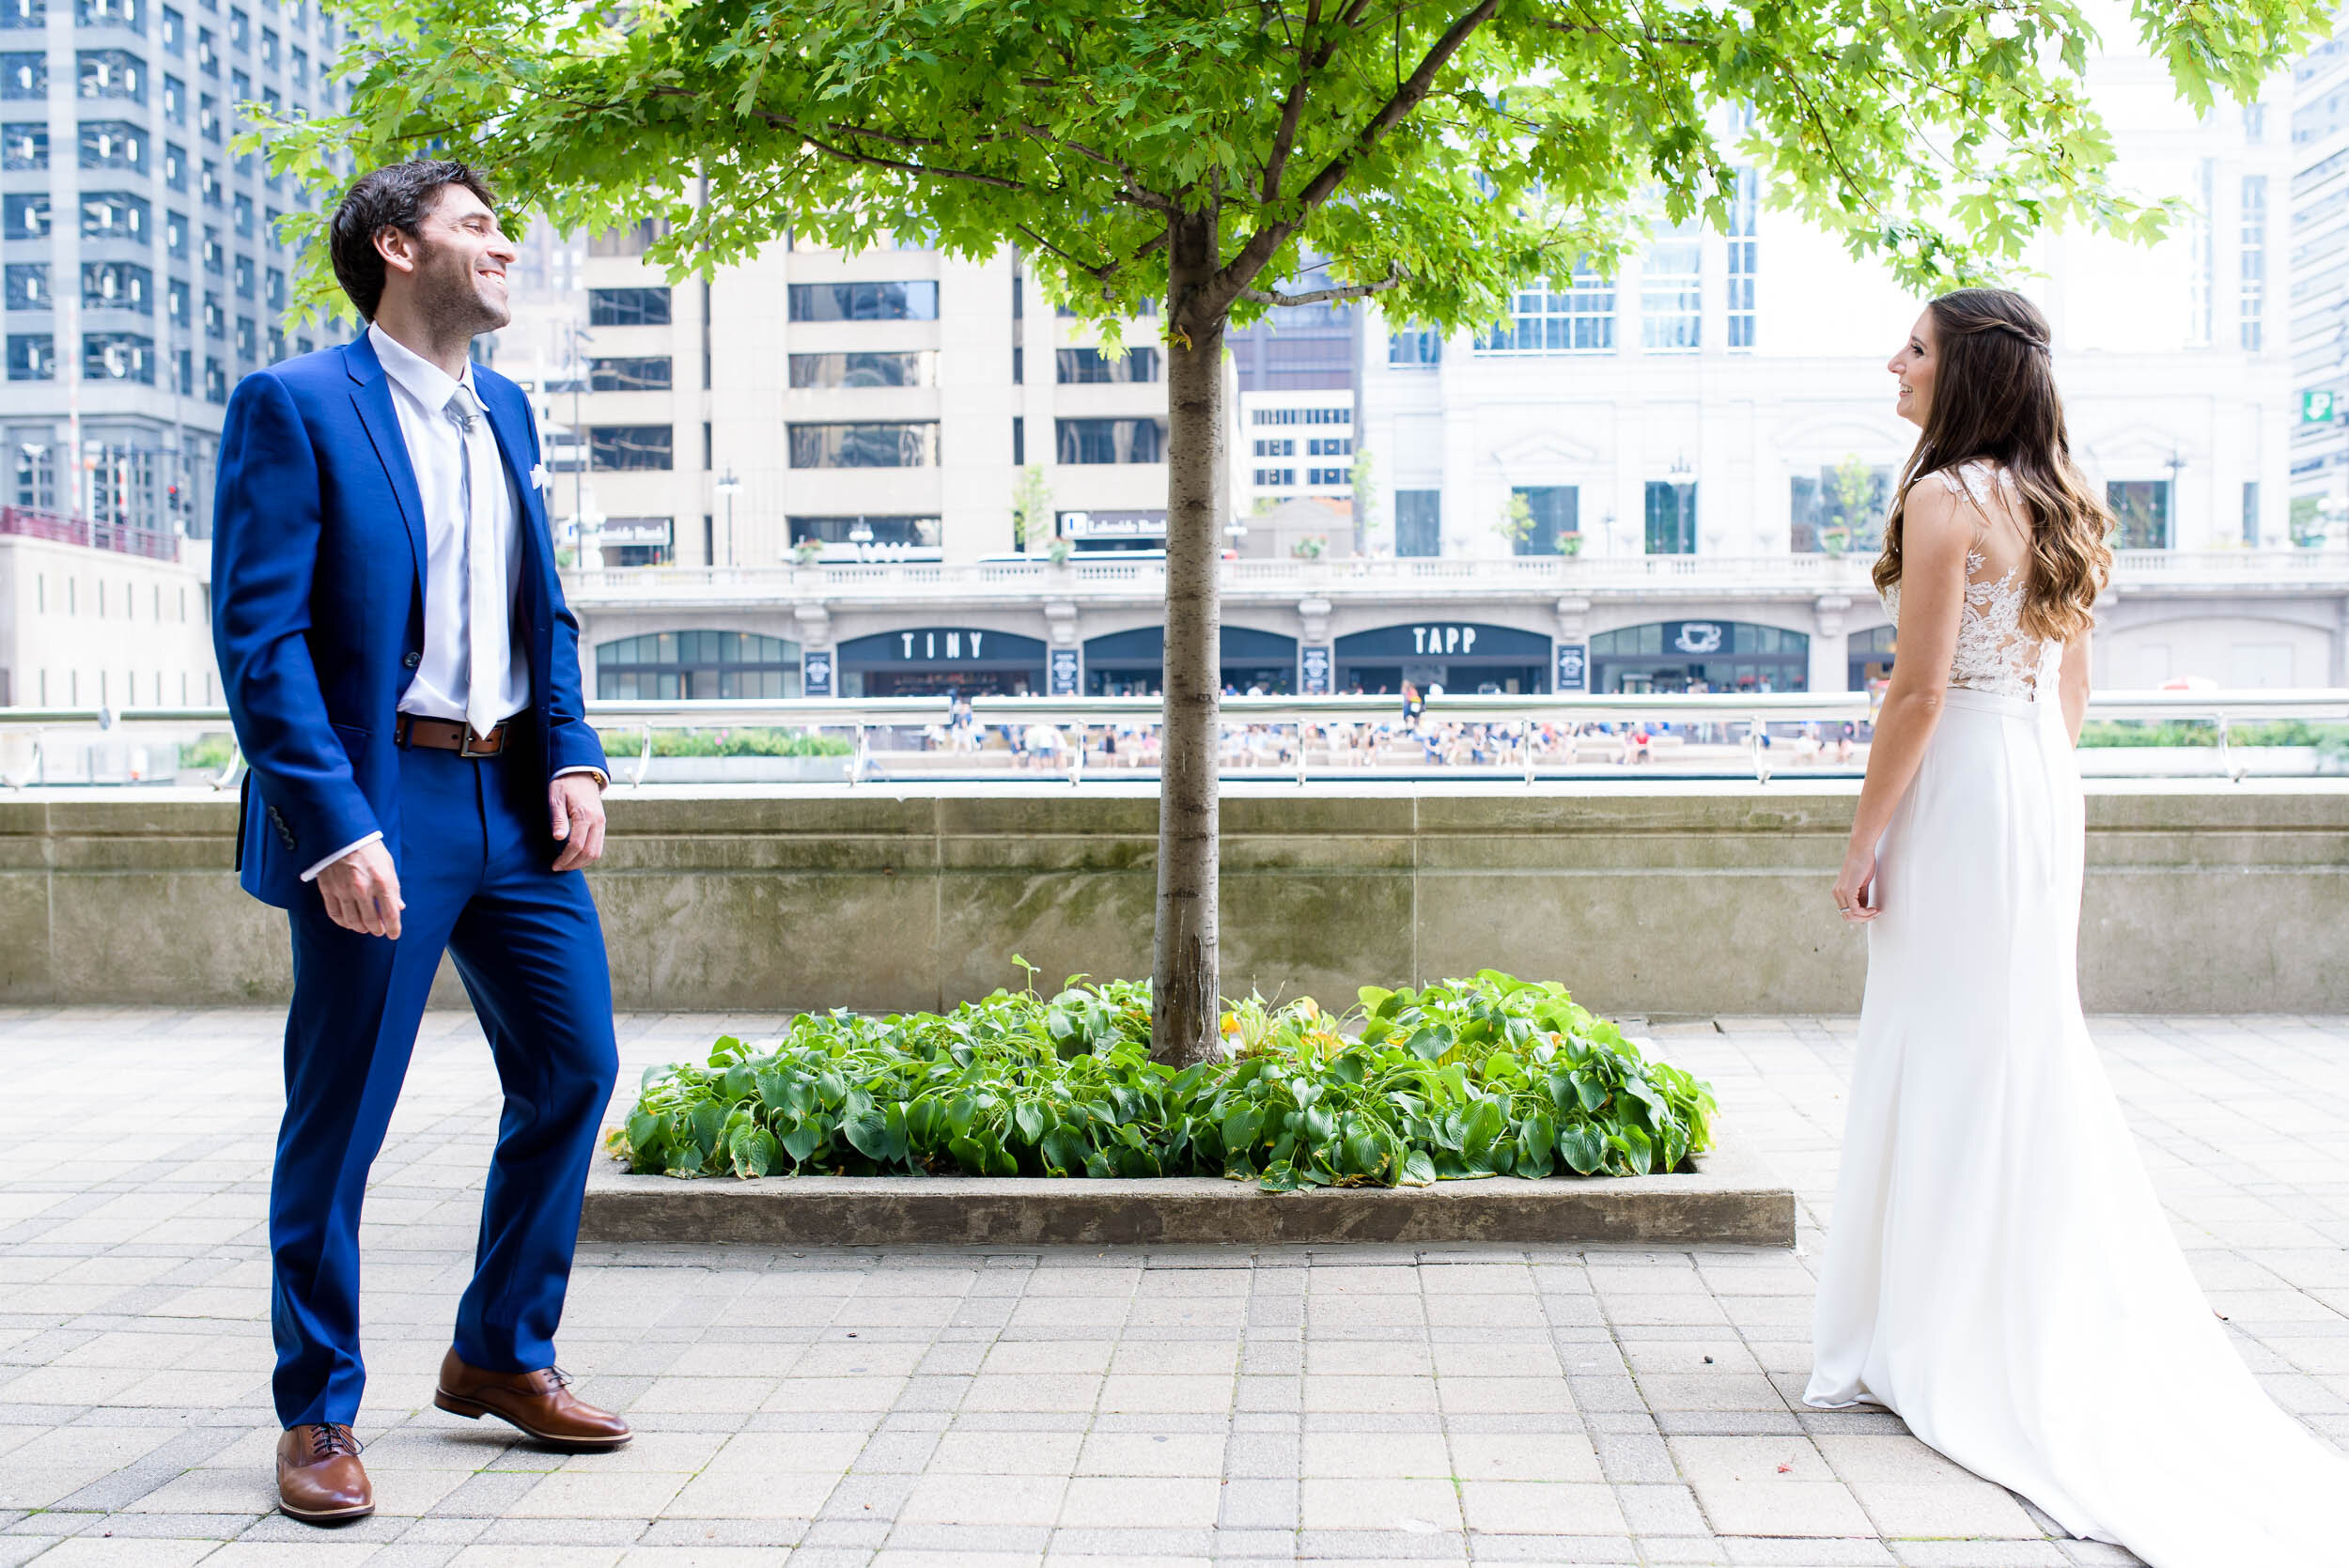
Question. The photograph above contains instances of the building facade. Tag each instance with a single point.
(97, 616)
(2316, 271)
(1666, 479)
(143, 272)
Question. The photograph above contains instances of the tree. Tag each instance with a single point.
(1186, 151)
(1031, 507)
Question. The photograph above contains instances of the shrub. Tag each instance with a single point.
(1484, 1077)
(728, 743)
(2332, 738)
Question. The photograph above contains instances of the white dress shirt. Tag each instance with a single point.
(435, 438)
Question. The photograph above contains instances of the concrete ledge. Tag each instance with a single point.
(1733, 1200)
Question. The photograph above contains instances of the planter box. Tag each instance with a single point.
(1732, 1200)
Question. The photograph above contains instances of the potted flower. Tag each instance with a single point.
(807, 551)
(1059, 551)
(1311, 548)
(1569, 545)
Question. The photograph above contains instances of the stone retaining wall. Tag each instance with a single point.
(1655, 899)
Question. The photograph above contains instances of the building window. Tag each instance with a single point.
(1301, 416)
(118, 285)
(1840, 509)
(916, 368)
(113, 144)
(1415, 348)
(215, 319)
(1745, 208)
(687, 666)
(1330, 447)
(1672, 291)
(273, 295)
(216, 381)
(1018, 441)
(2144, 507)
(24, 145)
(111, 13)
(2251, 512)
(650, 373)
(1328, 477)
(248, 341)
(2254, 234)
(240, 215)
(1577, 320)
(2255, 123)
(114, 73)
(118, 357)
(628, 239)
(1273, 478)
(1419, 522)
(613, 448)
(176, 304)
(114, 215)
(269, 49)
(25, 216)
(175, 235)
(627, 307)
(37, 481)
(175, 32)
(912, 444)
(1671, 518)
(23, 77)
(215, 253)
(175, 101)
(1549, 514)
(913, 533)
(246, 277)
(32, 357)
(1089, 367)
(298, 66)
(27, 286)
(1284, 446)
(175, 168)
(2198, 243)
(240, 30)
(1110, 441)
(23, 13)
(916, 301)
(208, 118)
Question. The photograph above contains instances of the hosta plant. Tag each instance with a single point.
(1484, 1077)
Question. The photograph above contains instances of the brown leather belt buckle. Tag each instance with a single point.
(448, 735)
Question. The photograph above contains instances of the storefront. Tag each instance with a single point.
(1461, 657)
(1710, 656)
(696, 665)
(939, 659)
(1870, 658)
(1133, 663)
(1094, 532)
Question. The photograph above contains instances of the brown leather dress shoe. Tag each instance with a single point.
(539, 1402)
(319, 1478)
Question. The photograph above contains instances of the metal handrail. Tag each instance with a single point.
(2222, 708)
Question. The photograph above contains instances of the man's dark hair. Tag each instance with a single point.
(394, 196)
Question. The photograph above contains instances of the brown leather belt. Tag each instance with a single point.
(449, 735)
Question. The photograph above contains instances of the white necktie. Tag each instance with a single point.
(487, 606)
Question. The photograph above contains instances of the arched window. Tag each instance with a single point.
(692, 666)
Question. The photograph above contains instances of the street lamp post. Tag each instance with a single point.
(579, 432)
(727, 485)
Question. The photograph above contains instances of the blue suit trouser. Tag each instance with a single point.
(476, 876)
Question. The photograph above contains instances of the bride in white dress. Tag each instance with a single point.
(1999, 1270)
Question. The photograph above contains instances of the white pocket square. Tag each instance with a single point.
(537, 477)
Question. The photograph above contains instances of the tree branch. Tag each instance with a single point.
(1134, 190)
(1261, 246)
(1319, 296)
(1309, 60)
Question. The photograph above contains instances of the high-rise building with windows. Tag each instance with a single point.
(142, 272)
(2314, 270)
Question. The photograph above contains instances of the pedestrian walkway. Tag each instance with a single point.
(974, 1408)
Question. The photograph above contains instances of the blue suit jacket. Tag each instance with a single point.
(317, 619)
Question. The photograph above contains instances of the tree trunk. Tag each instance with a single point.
(1184, 1009)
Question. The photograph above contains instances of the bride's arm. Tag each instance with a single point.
(1935, 533)
(2072, 685)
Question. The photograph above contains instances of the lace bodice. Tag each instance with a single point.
(1993, 652)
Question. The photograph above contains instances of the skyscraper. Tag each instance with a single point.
(143, 272)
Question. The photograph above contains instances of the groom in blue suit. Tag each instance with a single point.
(404, 678)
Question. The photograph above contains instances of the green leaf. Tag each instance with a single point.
(1418, 1170)
(1583, 1149)
(1064, 1151)
(800, 1141)
(1031, 1120)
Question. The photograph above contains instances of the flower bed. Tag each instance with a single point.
(1486, 1077)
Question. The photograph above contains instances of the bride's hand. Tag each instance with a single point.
(1854, 886)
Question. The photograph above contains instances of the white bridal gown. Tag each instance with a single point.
(1999, 1270)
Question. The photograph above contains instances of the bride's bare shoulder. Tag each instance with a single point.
(1936, 525)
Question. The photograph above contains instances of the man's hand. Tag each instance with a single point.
(576, 801)
(362, 892)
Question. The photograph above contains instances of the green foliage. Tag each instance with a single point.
(1486, 1077)
(727, 743)
(209, 752)
(2333, 740)
(1031, 507)
(1446, 153)
(1515, 522)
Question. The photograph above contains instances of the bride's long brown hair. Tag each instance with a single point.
(1994, 397)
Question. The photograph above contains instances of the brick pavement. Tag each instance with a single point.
(1550, 1405)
